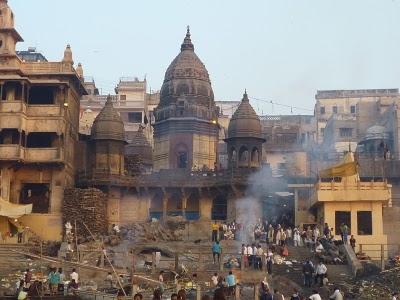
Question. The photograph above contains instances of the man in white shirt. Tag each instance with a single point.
(214, 279)
(250, 255)
(315, 296)
(319, 248)
(321, 272)
(337, 295)
(74, 275)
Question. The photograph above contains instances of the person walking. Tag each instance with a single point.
(345, 233)
(54, 280)
(214, 232)
(216, 250)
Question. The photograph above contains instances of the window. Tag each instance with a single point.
(322, 110)
(42, 140)
(334, 109)
(353, 109)
(219, 209)
(135, 117)
(342, 217)
(38, 195)
(41, 95)
(182, 160)
(346, 132)
(122, 97)
(364, 223)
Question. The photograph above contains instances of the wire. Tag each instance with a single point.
(280, 104)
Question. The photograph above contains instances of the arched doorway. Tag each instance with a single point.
(182, 156)
(243, 157)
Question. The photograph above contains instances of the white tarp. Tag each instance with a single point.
(12, 210)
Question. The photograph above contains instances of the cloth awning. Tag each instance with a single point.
(12, 210)
(347, 168)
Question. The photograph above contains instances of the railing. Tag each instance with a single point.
(169, 178)
(44, 110)
(11, 152)
(44, 154)
(339, 186)
(12, 106)
(379, 252)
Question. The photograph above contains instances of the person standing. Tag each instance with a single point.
(250, 254)
(321, 272)
(214, 232)
(269, 263)
(216, 251)
(345, 233)
(214, 279)
(308, 270)
(20, 232)
(296, 238)
(231, 282)
(327, 231)
(289, 235)
(353, 243)
(278, 295)
(395, 296)
(270, 234)
(54, 280)
(74, 276)
(245, 256)
(295, 295)
(62, 279)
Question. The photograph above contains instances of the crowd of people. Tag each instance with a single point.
(56, 283)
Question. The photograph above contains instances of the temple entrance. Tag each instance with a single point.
(278, 208)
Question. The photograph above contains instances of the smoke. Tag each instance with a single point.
(261, 186)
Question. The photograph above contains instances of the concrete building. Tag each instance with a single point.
(131, 100)
(347, 102)
(39, 115)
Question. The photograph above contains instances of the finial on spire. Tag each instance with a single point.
(187, 42)
(245, 97)
(108, 102)
(68, 55)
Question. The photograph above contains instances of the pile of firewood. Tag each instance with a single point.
(88, 206)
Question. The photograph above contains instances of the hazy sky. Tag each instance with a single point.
(279, 50)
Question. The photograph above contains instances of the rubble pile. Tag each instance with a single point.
(380, 286)
(87, 205)
(48, 248)
(331, 254)
(172, 230)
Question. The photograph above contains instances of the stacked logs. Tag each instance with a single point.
(88, 206)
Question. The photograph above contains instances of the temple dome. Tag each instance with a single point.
(140, 146)
(244, 122)
(108, 124)
(186, 77)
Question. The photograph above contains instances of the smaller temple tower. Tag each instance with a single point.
(108, 141)
(8, 35)
(244, 137)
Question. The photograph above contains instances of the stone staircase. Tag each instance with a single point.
(11, 261)
(337, 274)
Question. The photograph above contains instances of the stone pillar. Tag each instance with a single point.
(205, 207)
(296, 206)
(184, 205)
(165, 206)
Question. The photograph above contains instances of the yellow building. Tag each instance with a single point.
(355, 203)
(39, 117)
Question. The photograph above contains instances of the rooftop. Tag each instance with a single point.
(329, 94)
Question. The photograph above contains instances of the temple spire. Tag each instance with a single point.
(187, 42)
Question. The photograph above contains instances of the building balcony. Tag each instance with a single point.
(44, 110)
(17, 106)
(44, 155)
(355, 192)
(11, 152)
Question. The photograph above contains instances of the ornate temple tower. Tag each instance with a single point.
(108, 141)
(244, 137)
(186, 126)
